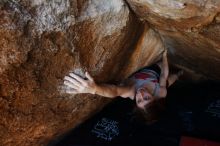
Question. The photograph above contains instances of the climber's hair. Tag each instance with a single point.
(151, 113)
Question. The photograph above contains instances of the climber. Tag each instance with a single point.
(144, 86)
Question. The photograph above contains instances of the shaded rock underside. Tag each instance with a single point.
(42, 41)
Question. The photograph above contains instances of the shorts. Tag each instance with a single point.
(153, 67)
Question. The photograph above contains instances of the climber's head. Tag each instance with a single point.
(143, 98)
(148, 109)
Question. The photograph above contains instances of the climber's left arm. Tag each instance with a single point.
(79, 85)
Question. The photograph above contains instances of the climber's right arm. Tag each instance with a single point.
(79, 85)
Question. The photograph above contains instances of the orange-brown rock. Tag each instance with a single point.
(42, 41)
(190, 31)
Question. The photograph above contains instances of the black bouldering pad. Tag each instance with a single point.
(191, 110)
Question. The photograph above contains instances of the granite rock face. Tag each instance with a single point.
(41, 41)
(190, 29)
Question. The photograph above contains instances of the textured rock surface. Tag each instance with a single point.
(190, 30)
(42, 40)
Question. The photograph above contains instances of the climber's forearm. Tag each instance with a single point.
(79, 85)
(111, 91)
(165, 66)
(164, 70)
(163, 81)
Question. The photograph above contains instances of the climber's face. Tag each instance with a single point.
(143, 98)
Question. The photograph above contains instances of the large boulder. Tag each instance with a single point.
(190, 29)
(41, 41)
